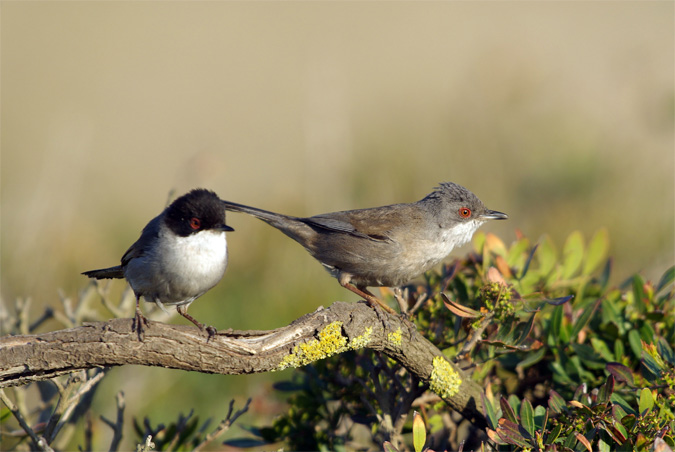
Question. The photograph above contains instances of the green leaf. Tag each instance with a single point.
(555, 325)
(547, 256)
(619, 350)
(489, 412)
(639, 294)
(596, 252)
(556, 403)
(573, 254)
(652, 365)
(588, 356)
(621, 373)
(525, 329)
(667, 279)
(665, 351)
(389, 447)
(635, 342)
(584, 319)
(528, 262)
(479, 242)
(540, 417)
(603, 280)
(527, 417)
(507, 410)
(602, 349)
(419, 432)
(616, 399)
(551, 437)
(646, 401)
(516, 252)
(606, 390)
(510, 433)
(532, 358)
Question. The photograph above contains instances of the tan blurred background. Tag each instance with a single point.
(560, 114)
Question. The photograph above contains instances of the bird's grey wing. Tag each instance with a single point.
(148, 236)
(375, 224)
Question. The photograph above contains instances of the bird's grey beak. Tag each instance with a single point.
(494, 215)
(226, 228)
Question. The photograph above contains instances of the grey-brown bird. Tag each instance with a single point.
(384, 246)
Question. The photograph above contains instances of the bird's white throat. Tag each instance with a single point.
(201, 254)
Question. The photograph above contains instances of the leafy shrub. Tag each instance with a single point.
(567, 362)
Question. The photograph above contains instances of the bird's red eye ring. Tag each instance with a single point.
(195, 223)
(465, 212)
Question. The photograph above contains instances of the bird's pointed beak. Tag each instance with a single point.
(226, 228)
(494, 215)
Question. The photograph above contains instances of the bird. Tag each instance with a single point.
(384, 246)
(180, 255)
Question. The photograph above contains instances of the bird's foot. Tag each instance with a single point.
(138, 324)
(211, 331)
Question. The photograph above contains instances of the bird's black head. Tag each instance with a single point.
(198, 210)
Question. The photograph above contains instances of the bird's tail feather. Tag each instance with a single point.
(264, 215)
(106, 273)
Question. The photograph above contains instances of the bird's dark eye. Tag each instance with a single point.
(465, 212)
(195, 223)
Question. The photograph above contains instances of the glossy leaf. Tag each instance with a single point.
(517, 251)
(606, 390)
(555, 402)
(573, 254)
(554, 434)
(510, 432)
(528, 261)
(635, 342)
(666, 279)
(584, 318)
(490, 412)
(602, 349)
(560, 300)
(582, 439)
(389, 447)
(596, 251)
(527, 417)
(458, 309)
(419, 432)
(639, 294)
(547, 256)
(507, 410)
(646, 401)
(652, 365)
(665, 351)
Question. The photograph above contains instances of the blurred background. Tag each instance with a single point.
(559, 114)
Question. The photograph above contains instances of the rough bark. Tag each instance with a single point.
(102, 344)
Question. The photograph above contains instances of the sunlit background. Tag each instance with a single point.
(557, 113)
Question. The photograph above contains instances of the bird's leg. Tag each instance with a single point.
(139, 320)
(211, 331)
(363, 292)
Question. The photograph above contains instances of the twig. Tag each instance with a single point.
(475, 337)
(22, 421)
(224, 424)
(46, 315)
(117, 425)
(420, 300)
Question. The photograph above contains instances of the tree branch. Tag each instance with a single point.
(323, 333)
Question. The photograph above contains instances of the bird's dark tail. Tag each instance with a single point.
(106, 273)
(265, 215)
